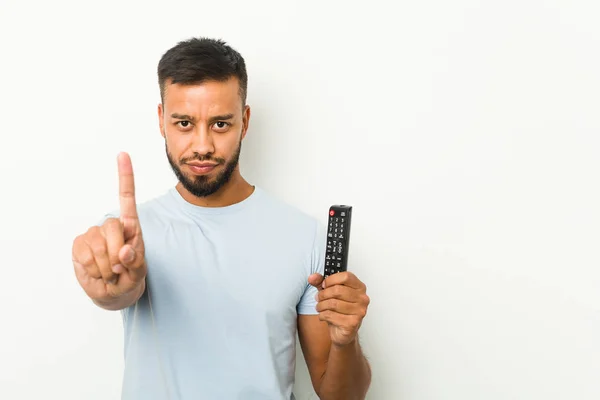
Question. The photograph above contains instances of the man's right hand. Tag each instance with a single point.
(109, 260)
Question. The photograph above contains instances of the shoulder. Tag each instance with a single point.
(284, 214)
(292, 225)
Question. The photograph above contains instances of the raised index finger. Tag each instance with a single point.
(126, 188)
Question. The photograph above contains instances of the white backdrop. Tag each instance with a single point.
(464, 133)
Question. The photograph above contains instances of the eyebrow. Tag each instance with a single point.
(212, 119)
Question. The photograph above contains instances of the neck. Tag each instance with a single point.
(234, 191)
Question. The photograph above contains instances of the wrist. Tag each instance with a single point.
(352, 344)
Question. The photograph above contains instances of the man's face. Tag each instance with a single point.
(203, 126)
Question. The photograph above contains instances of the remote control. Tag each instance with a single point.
(338, 239)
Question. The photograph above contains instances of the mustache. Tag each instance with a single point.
(198, 157)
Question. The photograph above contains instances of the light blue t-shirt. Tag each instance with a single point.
(224, 289)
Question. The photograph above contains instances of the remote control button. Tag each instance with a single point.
(332, 213)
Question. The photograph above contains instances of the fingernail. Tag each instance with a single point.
(323, 284)
(317, 297)
(129, 255)
(117, 269)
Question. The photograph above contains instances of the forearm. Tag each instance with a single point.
(124, 301)
(348, 374)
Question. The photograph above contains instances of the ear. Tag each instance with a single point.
(246, 120)
(161, 121)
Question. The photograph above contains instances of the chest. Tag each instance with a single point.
(210, 274)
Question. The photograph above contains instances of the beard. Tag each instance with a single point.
(202, 186)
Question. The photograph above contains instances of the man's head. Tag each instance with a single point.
(203, 113)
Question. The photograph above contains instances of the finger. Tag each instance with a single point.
(133, 261)
(83, 258)
(127, 202)
(113, 232)
(97, 243)
(339, 292)
(345, 278)
(339, 306)
(316, 280)
(349, 322)
(80, 272)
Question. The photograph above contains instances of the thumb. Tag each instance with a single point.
(127, 255)
(316, 280)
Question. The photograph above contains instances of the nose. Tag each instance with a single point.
(202, 141)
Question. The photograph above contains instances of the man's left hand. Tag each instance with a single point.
(342, 303)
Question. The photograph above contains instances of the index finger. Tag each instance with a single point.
(126, 187)
(345, 278)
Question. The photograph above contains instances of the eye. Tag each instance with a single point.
(221, 126)
(184, 124)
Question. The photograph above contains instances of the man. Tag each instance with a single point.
(216, 277)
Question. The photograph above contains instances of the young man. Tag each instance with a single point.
(216, 277)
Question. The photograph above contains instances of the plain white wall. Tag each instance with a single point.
(464, 133)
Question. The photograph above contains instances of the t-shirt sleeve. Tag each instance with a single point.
(308, 303)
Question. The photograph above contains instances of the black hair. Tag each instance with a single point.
(198, 60)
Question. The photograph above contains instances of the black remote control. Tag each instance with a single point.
(338, 239)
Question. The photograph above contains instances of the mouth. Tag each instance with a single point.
(201, 168)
